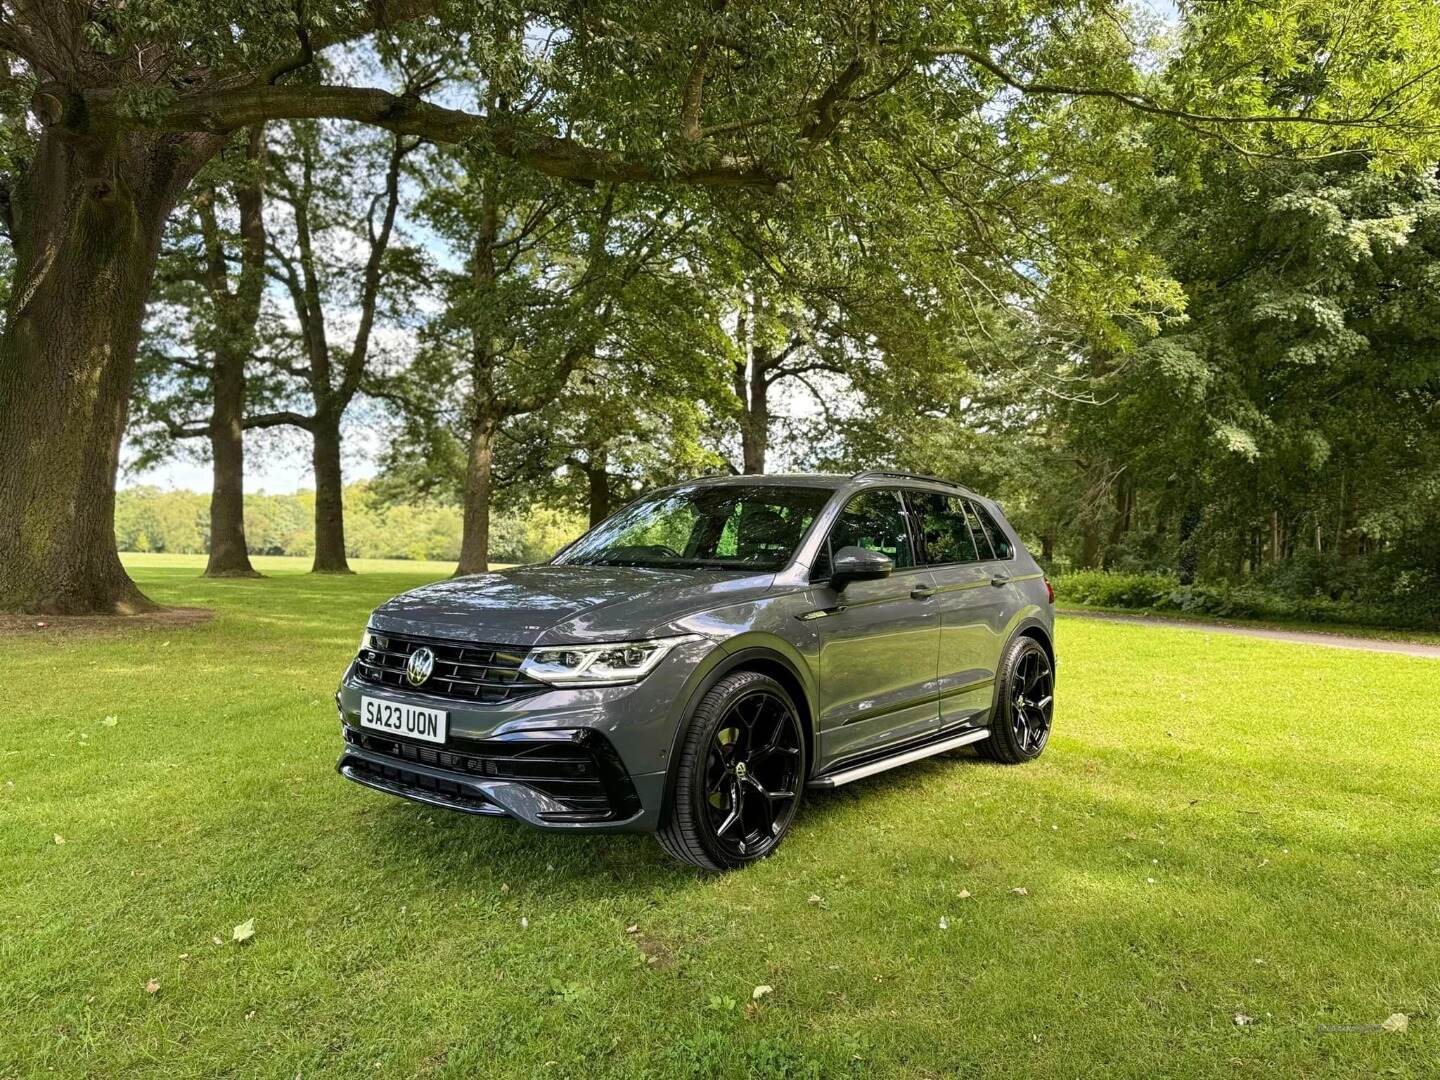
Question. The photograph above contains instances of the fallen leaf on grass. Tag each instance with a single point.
(153, 986)
(760, 992)
(634, 928)
(110, 721)
(1396, 1023)
(1020, 890)
(59, 839)
(245, 931)
(1241, 1020)
(964, 894)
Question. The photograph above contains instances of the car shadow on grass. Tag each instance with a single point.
(462, 850)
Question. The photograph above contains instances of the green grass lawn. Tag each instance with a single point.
(1378, 633)
(1221, 826)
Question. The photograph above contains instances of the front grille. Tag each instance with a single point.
(416, 785)
(584, 775)
(464, 671)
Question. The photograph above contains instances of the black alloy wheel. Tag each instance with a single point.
(1024, 705)
(741, 774)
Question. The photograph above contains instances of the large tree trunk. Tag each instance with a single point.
(755, 426)
(238, 314)
(329, 497)
(1188, 559)
(86, 221)
(475, 538)
(228, 554)
(597, 478)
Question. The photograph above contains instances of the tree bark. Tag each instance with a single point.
(597, 477)
(238, 313)
(329, 497)
(475, 539)
(1188, 560)
(752, 387)
(86, 222)
(755, 434)
(229, 556)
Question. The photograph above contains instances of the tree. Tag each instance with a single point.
(131, 100)
(328, 218)
(203, 333)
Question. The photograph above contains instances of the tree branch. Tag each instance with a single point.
(1133, 98)
(370, 290)
(278, 419)
(378, 15)
(551, 155)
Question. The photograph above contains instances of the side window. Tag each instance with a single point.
(874, 520)
(999, 542)
(982, 541)
(946, 529)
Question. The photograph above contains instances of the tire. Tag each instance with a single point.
(1024, 704)
(739, 776)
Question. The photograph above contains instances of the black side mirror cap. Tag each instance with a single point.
(858, 564)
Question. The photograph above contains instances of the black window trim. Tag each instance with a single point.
(918, 530)
(978, 508)
(912, 535)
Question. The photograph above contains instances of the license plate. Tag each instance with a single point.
(397, 718)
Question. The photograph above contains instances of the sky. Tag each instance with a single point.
(279, 461)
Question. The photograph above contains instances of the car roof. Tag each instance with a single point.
(831, 481)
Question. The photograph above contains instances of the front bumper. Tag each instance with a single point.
(552, 779)
(583, 759)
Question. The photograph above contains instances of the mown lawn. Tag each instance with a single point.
(1220, 827)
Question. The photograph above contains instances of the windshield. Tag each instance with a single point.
(740, 527)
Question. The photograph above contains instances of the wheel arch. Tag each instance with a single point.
(749, 657)
(1034, 628)
(1029, 627)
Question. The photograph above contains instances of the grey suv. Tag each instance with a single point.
(691, 665)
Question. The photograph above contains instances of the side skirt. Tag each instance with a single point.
(859, 772)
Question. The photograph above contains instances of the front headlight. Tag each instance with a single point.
(611, 664)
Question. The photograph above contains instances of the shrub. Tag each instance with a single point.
(1101, 588)
(1251, 600)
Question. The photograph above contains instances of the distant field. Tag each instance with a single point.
(1230, 847)
(290, 564)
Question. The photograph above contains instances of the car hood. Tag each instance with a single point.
(564, 603)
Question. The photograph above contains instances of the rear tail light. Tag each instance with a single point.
(1049, 591)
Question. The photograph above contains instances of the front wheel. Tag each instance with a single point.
(1024, 706)
(740, 774)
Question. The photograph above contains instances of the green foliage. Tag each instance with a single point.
(1291, 593)
(177, 522)
(1099, 588)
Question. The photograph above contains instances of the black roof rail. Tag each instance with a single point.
(899, 474)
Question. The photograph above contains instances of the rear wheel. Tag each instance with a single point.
(1020, 724)
(740, 774)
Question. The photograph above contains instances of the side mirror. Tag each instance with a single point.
(858, 564)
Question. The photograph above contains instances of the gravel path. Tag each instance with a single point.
(1298, 637)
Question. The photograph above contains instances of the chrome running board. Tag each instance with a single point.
(859, 772)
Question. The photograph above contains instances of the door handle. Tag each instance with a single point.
(999, 579)
(922, 592)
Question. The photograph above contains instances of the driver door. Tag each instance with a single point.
(879, 640)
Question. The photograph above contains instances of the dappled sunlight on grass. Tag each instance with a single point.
(1219, 826)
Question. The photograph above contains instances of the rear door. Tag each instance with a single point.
(878, 640)
(974, 600)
